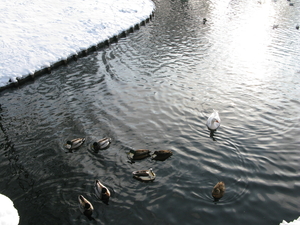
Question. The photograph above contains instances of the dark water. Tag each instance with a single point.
(155, 90)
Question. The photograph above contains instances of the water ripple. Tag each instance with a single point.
(154, 90)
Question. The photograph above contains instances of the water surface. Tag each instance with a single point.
(154, 90)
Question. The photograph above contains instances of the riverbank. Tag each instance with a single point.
(40, 36)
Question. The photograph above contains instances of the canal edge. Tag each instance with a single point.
(85, 52)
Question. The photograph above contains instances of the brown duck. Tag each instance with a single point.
(138, 154)
(75, 143)
(161, 155)
(85, 207)
(218, 190)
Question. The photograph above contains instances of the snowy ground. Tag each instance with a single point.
(8, 213)
(35, 34)
(295, 222)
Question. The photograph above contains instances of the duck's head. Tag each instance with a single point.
(87, 206)
(216, 191)
(88, 213)
(96, 146)
(104, 190)
(69, 144)
(105, 198)
(151, 171)
(214, 120)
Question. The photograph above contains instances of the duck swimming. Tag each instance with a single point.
(138, 154)
(85, 207)
(75, 143)
(218, 191)
(102, 192)
(161, 155)
(102, 144)
(213, 121)
(144, 175)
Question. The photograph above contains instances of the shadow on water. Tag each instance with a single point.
(212, 134)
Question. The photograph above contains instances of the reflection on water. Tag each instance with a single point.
(154, 90)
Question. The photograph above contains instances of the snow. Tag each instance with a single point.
(36, 34)
(8, 213)
(295, 222)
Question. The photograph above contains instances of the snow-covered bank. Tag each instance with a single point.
(36, 34)
(295, 222)
(8, 213)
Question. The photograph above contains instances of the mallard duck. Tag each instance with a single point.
(144, 175)
(85, 207)
(297, 27)
(75, 143)
(218, 190)
(102, 144)
(138, 154)
(102, 192)
(213, 121)
(161, 155)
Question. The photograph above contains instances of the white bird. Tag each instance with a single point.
(8, 213)
(213, 121)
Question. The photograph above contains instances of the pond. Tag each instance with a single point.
(155, 89)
